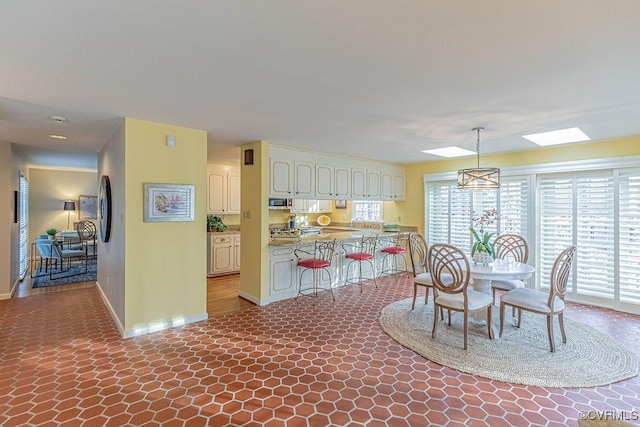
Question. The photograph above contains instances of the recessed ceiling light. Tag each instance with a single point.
(450, 152)
(562, 136)
(57, 136)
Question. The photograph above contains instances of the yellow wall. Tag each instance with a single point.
(165, 272)
(48, 189)
(412, 210)
(254, 228)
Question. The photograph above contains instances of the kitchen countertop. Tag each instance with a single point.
(341, 235)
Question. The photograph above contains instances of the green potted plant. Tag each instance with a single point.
(214, 223)
(51, 232)
(483, 251)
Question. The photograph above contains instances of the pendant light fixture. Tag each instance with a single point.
(478, 178)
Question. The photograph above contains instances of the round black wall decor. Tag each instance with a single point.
(105, 208)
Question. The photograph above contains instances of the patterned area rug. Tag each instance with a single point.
(74, 275)
(590, 358)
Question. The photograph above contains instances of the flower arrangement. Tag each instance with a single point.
(482, 238)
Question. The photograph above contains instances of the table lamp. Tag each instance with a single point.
(69, 205)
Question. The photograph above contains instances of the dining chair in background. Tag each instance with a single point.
(318, 261)
(364, 250)
(509, 247)
(421, 275)
(451, 273)
(547, 303)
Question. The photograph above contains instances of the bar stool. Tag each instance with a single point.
(317, 262)
(359, 252)
(394, 247)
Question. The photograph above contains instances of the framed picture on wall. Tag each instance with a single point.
(168, 202)
(341, 204)
(88, 207)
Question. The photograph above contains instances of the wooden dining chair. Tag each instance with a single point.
(451, 273)
(509, 247)
(418, 256)
(548, 304)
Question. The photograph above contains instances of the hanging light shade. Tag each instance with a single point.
(478, 178)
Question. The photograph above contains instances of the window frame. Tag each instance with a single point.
(354, 209)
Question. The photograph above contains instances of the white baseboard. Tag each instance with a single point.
(110, 308)
(252, 299)
(149, 327)
(160, 326)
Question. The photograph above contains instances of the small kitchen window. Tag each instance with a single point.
(364, 210)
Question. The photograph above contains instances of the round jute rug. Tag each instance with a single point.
(590, 358)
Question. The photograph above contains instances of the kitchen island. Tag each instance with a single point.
(284, 278)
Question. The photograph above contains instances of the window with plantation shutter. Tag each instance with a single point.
(554, 222)
(629, 236)
(450, 211)
(514, 206)
(579, 209)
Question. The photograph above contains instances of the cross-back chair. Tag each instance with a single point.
(509, 247)
(549, 303)
(451, 273)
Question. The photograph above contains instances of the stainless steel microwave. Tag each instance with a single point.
(279, 203)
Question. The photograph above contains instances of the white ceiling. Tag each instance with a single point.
(368, 78)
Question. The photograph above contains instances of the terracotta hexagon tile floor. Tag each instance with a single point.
(310, 362)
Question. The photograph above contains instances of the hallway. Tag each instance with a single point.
(289, 363)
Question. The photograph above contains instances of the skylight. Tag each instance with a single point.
(450, 152)
(562, 136)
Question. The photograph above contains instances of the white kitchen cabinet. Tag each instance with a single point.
(281, 178)
(304, 179)
(365, 184)
(359, 182)
(223, 191)
(236, 252)
(282, 272)
(398, 180)
(325, 181)
(223, 254)
(305, 175)
(391, 185)
(342, 183)
(373, 184)
(302, 206)
(387, 185)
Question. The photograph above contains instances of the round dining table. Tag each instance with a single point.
(499, 269)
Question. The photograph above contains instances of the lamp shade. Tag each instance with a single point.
(69, 205)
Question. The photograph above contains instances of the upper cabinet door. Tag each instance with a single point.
(359, 183)
(233, 193)
(305, 174)
(342, 183)
(387, 186)
(324, 181)
(281, 178)
(217, 192)
(373, 185)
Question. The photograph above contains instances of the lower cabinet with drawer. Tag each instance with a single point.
(223, 253)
